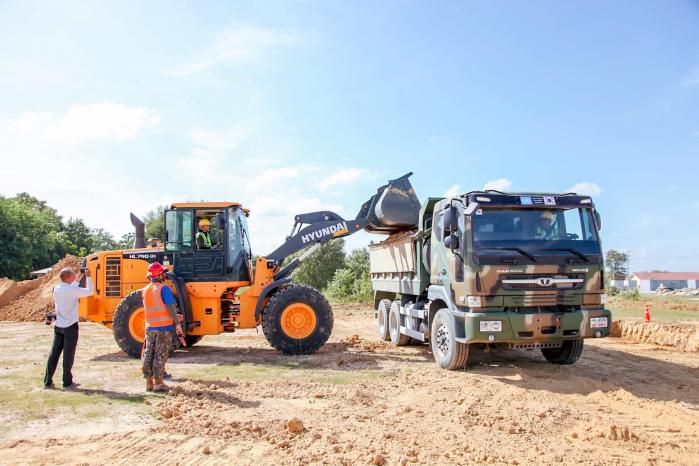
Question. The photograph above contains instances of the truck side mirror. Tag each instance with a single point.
(598, 220)
(451, 219)
(452, 242)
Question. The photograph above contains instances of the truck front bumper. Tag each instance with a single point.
(523, 328)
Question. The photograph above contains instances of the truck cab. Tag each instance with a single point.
(509, 271)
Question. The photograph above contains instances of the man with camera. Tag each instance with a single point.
(65, 331)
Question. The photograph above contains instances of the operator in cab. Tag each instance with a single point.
(546, 229)
(203, 237)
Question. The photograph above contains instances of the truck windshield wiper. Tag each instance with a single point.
(519, 250)
(572, 251)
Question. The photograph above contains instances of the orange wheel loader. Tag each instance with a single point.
(217, 288)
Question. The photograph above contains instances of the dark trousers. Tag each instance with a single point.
(65, 340)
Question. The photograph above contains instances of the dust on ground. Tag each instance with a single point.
(27, 301)
(357, 401)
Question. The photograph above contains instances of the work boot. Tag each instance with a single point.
(149, 384)
(159, 385)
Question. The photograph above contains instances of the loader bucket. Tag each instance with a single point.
(393, 208)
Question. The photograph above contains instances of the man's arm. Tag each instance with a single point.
(169, 301)
(199, 240)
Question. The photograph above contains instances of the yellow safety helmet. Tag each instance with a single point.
(546, 215)
(204, 221)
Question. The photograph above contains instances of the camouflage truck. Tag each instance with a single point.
(491, 269)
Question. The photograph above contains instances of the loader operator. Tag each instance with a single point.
(203, 238)
(161, 320)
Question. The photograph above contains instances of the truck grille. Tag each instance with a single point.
(540, 282)
(112, 277)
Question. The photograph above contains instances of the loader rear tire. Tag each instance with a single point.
(448, 353)
(382, 319)
(129, 324)
(395, 320)
(297, 320)
(568, 353)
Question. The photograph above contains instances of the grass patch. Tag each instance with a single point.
(306, 371)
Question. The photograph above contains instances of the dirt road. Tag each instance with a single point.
(359, 400)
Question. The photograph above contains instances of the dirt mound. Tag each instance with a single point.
(684, 337)
(27, 300)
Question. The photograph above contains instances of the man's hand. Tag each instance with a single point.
(79, 277)
(178, 330)
(88, 274)
(180, 317)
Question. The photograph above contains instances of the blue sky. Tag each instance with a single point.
(288, 107)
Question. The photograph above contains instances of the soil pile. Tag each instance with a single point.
(684, 337)
(27, 300)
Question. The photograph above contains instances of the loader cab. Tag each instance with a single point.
(229, 257)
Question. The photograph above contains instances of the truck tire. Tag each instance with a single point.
(382, 319)
(447, 352)
(297, 320)
(129, 324)
(566, 354)
(395, 320)
(192, 340)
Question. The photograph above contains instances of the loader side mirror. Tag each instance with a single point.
(452, 242)
(451, 219)
(598, 220)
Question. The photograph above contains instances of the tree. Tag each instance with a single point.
(101, 240)
(318, 268)
(352, 282)
(126, 241)
(155, 223)
(77, 237)
(617, 263)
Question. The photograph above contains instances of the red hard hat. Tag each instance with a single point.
(155, 270)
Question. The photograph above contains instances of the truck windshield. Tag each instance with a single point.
(535, 232)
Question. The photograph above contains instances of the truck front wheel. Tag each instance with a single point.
(448, 353)
(297, 320)
(568, 353)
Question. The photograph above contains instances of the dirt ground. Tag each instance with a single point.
(359, 401)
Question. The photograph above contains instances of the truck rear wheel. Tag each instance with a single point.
(382, 319)
(447, 352)
(394, 322)
(297, 320)
(568, 353)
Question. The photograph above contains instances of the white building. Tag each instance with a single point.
(648, 282)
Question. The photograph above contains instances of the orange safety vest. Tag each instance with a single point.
(157, 314)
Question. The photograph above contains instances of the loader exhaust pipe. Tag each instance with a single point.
(139, 241)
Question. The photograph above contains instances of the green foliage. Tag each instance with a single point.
(633, 295)
(352, 283)
(318, 269)
(617, 263)
(33, 236)
(155, 223)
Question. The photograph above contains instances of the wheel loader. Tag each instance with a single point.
(217, 289)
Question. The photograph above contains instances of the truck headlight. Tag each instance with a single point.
(490, 325)
(598, 322)
(473, 301)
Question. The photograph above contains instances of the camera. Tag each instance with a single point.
(50, 317)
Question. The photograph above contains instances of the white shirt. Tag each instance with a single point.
(66, 297)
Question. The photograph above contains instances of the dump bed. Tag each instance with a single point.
(395, 265)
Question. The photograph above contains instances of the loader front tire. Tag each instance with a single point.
(192, 340)
(297, 320)
(129, 324)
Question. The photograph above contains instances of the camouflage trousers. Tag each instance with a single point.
(158, 346)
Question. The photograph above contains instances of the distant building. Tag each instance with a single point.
(648, 282)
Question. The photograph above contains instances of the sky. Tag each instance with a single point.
(288, 107)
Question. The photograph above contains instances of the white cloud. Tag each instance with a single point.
(585, 188)
(453, 191)
(340, 177)
(83, 123)
(501, 184)
(237, 45)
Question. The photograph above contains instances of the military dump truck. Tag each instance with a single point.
(490, 269)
